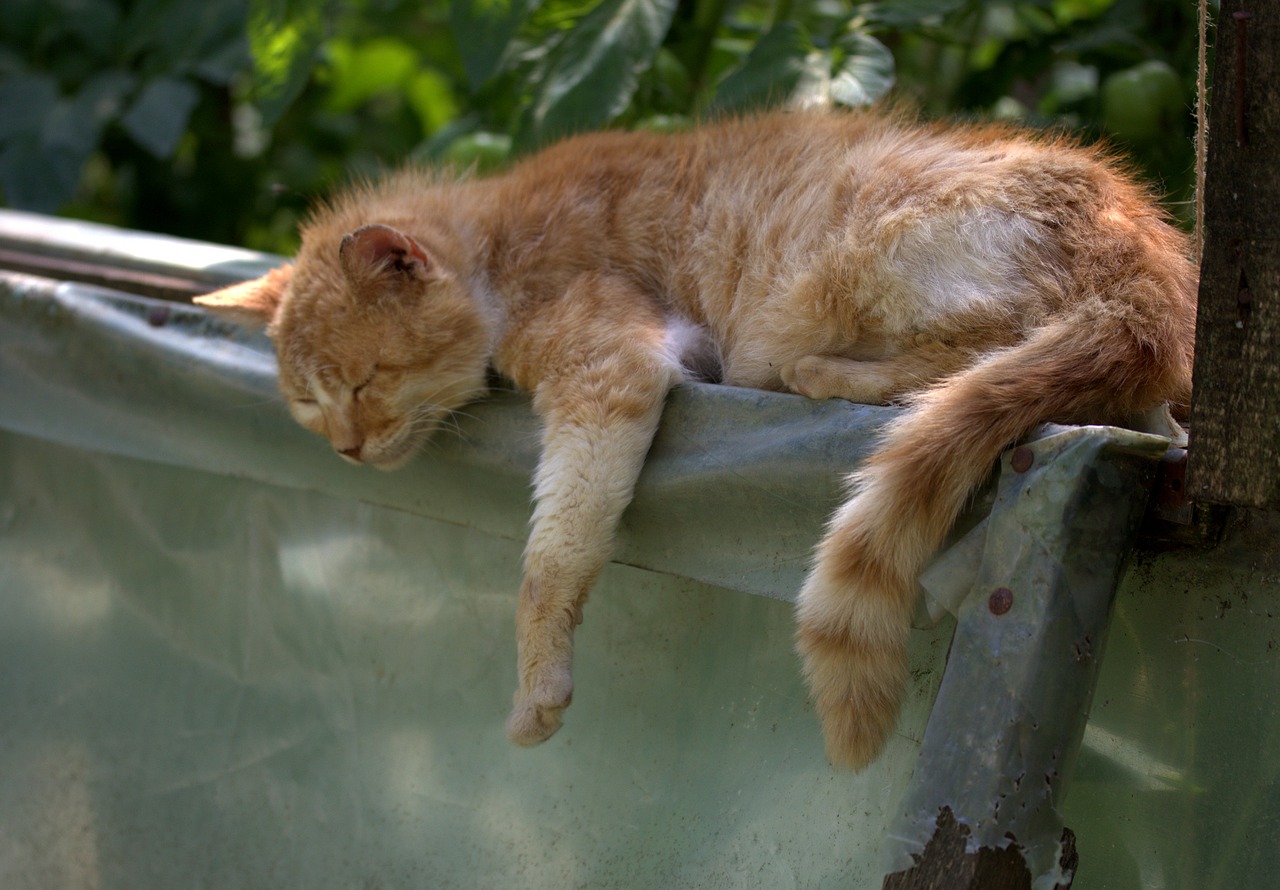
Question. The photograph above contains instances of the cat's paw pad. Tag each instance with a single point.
(536, 715)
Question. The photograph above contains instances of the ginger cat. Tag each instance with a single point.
(988, 279)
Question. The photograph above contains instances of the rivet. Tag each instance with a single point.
(1001, 601)
(1023, 458)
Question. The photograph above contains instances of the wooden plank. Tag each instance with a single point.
(1235, 425)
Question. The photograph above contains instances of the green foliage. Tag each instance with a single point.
(483, 30)
(71, 70)
(285, 36)
(592, 71)
(223, 120)
(777, 67)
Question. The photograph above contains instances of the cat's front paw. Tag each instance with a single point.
(535, 717)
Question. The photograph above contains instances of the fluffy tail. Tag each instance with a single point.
(1104, 361)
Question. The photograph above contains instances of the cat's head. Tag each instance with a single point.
(377, 343)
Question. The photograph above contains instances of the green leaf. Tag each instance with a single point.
(45, 139)
(68, 130)
(430, 94)
(42, 156)
(483, 29)
(482, 151)
(905, 14)
(225, 62)
(284, 36)
(25, 99)
(158, 117)
(866, 73)
(38, 177)
(177, 36)
(362, 71)
(592, 74)
(95, 22)
(103, 96)
(436, 148)
(771, 73)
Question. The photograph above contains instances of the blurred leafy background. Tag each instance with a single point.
(224, 119)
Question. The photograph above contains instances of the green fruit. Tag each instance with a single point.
(1143, 104)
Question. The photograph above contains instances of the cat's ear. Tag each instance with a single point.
(251, 302)
(378, 253)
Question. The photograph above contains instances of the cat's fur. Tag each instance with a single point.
(988, 279)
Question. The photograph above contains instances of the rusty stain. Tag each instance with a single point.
(1001, 601)
(947, 860)
(1022, 459)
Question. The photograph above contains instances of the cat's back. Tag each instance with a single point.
(866, 212)
(770, 152)
(799, 173)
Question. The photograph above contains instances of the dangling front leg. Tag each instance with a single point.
(600, 406)
(585, 480)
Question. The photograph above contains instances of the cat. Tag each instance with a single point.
(985, 278)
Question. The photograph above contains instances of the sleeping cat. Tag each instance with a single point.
(987, 279)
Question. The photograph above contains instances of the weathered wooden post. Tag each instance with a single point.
(1235, 424)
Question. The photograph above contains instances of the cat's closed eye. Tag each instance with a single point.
(364, 384)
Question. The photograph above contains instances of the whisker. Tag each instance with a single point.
(452, 428)
(463, 414)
